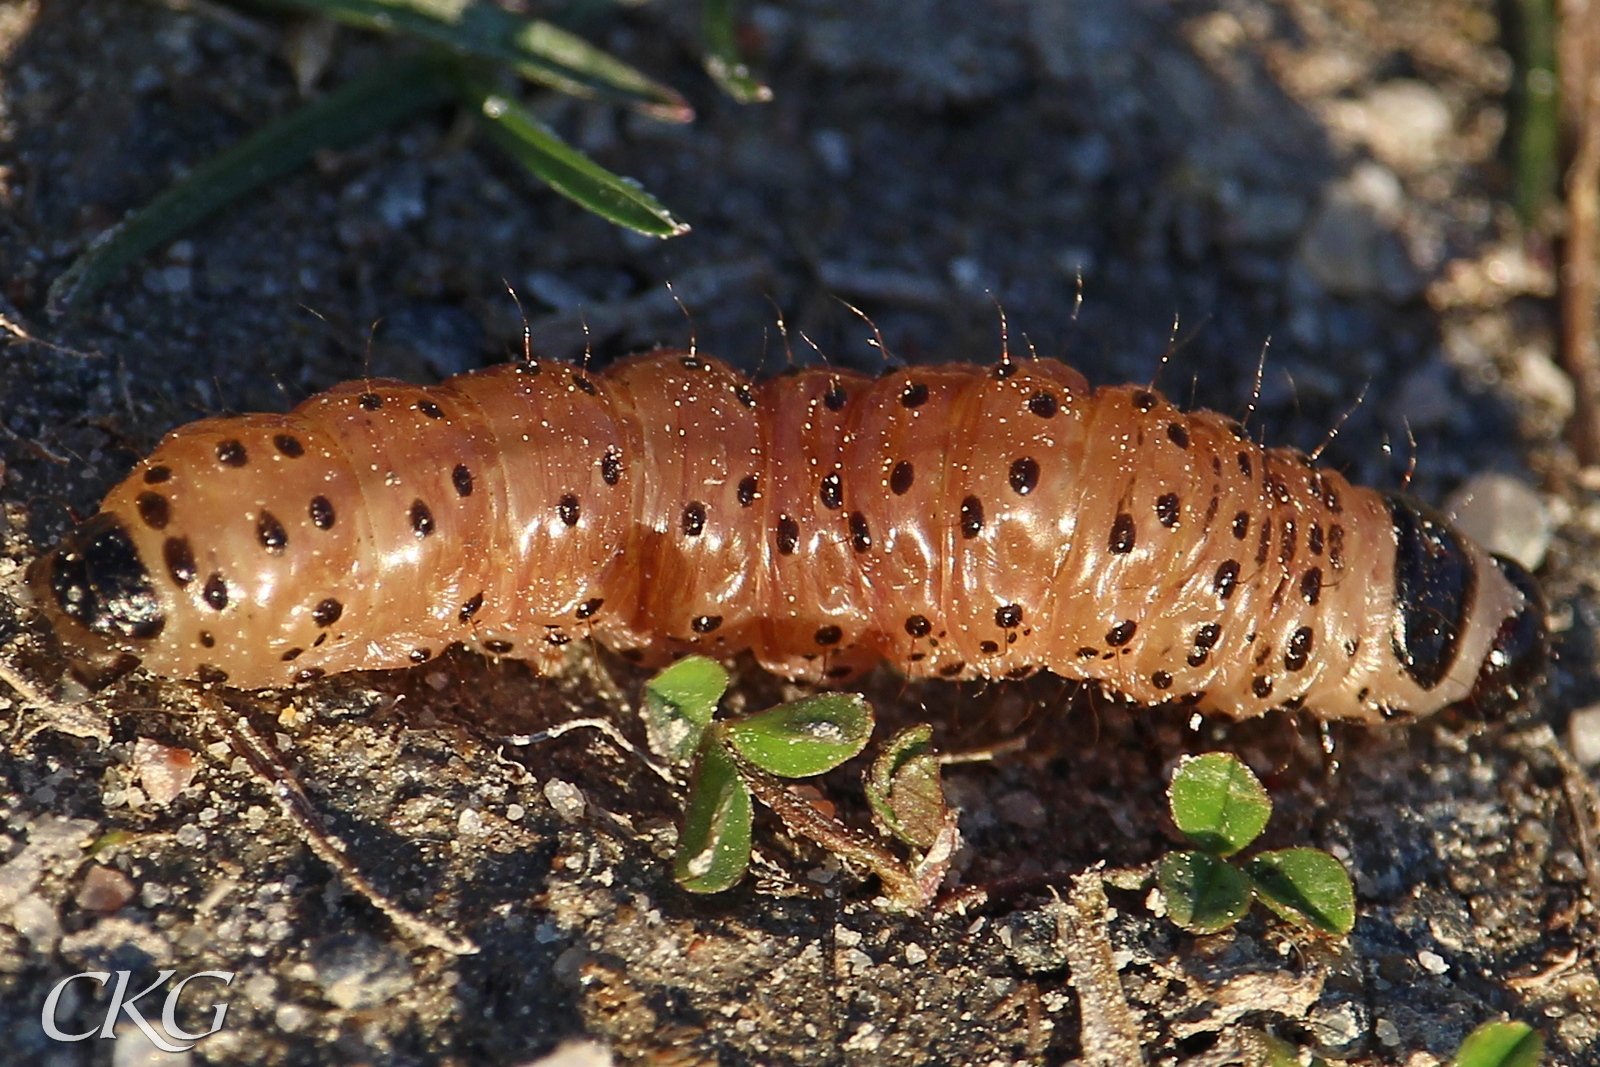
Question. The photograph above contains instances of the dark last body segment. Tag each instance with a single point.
(958, 521)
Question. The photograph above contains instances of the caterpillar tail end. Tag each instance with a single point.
(99, 596)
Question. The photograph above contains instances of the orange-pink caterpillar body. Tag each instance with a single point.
(958, 521)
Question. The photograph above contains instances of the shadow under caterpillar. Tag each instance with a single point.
(957, 520)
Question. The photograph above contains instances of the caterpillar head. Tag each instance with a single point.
(1468, 627)
(1515, 665)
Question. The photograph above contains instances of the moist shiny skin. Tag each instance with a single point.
(958, 521)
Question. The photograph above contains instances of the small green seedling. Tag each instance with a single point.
(739, 758)
(1509, 1044)
(802, 739)
(904, 789)
(471, 51)
(714, 846)
(678, 706)
(1264, 1050)
(1220, 806)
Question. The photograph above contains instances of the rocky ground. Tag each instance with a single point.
(1323, 173)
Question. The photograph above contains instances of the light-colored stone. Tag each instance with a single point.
(163, 771)
(1432, 962)
(134, 1048)
(565, 798)
(1403, 122)
(1545, 385)
(1504, 515)
(358, 972)
(1350, 247)
(579, 1053)
(1583, 735)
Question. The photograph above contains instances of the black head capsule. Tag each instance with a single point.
(1515, 665)
(96, 579)
(1435, 587)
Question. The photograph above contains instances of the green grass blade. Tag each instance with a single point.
(568, 171)
(1529, 29)
(349, 113)
(723, 61)
(565, 61)
(539, 51)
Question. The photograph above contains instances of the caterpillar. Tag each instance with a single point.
(959, 521)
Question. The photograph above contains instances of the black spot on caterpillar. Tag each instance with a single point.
(834, 521)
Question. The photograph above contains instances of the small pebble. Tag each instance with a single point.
(1338, 1028)
(577, 1053)
(35, 919)
(290, 1018)
(1403, 121)
(565, 798)
(174, 279)
(164, 772)
(1583, 735)
(1545, 385)
(133, 1048)
(865, 1039)
(104, 890)
(1349, 246)
(833, 148)
(1504, 515)
(260, 989)
(857, 961)
(402, 200)
(357, 972)
(1432, 962)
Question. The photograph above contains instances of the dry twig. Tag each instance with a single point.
(294, 803)
(1110, 1034)
(1579, 44)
